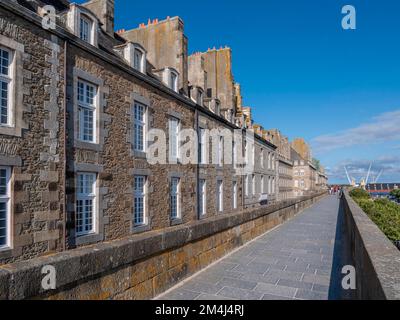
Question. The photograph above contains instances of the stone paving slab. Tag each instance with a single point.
(293, 261)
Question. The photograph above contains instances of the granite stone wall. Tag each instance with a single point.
(33, 145)
(143, 266)
(375, 258)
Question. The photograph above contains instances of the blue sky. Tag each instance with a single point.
(302, 73)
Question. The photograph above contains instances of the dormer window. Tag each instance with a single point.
(170, 77)
(217, 108)
(173, 80)
(137, 59)
(229, 115)
(85, 29)
(83, 24)
(135, 55)
(199, 98)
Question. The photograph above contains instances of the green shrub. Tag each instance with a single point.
(384, 213)
(359, 193)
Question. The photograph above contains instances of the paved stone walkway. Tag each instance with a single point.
(293, 261)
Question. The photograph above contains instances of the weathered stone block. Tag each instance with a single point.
(46, 215)
(46, 235)
(176, 257)
(50, 196)
(21, 196)
(23, 240)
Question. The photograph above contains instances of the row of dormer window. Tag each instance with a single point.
(85, 25)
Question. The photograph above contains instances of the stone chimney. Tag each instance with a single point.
(166, 44)
(104, 11)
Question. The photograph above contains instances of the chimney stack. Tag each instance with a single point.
(104, 11)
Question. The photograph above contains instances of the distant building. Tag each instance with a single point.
(285, 163)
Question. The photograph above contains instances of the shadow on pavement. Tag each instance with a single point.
(341, 258)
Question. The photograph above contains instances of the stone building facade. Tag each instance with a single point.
(285, 163)
(321, 179)
(306, 176)
(83, 114)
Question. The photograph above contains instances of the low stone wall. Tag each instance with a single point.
(143, 266)
(376, 259)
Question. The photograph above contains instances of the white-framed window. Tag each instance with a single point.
(199, 98)
(87, 96)
(273, 162)
(269, 185)
(135, 55)
(138, 57)
(173, 80)
(220, 150)
(302, 184)
(234, 155)
(235, 195)
(217, 108)
(296, 183)
(253, 154)
(202, 197)
(246, 185)
(203, 146)
(174, 139)
(5, 208)
(85, 29)
(139, 127)
(269, 160)
(6, 57)
(220, 195)
(262, 158)
(246, 152)
(86, 208)
(253, 182)
(262, 185)
(273, 185)
(175, 198)
(139, 201)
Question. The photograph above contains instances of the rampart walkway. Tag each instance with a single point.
(298, 260)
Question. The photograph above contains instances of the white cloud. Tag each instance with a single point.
(383, 128)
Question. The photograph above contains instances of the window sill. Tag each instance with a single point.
(176, 222)
(140, 154)
(203, 216)
(88, 239)
(6, 252)
(140, 228)
(87, 145)
(175, 161)
(10, 130)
